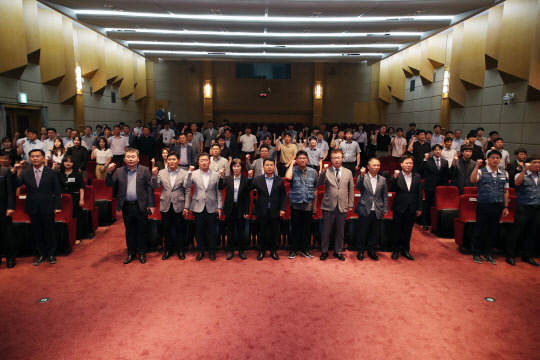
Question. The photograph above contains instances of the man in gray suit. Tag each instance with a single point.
(173, 204)
(338, 199)
(257, 165)
(186, 153)
(217, 163)
(209, 135)
(206, 202)
(371, 208)
(135, 198)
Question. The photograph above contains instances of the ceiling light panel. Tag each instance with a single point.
(262, 54)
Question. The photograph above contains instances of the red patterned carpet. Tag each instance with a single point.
(431, 308)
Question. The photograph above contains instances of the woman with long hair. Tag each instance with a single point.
(56, 153)
(79, 153)
(72, 183)
(103, 156)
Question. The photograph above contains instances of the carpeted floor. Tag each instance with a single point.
(431, 308)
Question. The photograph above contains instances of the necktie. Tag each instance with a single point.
(438, 164)
(338, 177)
(38, 177)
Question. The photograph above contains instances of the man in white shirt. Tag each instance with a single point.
(31, 143)
(399, 144)
(248, 142)
(138, 129)
(49, 142)
(118, 145)
(448, 153)
(505, 159)
(167, 134)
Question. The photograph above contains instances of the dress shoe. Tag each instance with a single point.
(292, 254)
(260, 256)
(395, 255)
(306, 253)
(339, 256)
(129, 259)
(490, 259)
(212, 256)
(40, 260)
(199, 256)
(407, 255)
(142, 259)
(181, 255)
(511, 261)
(274, 255)
(166, 255)
(426, 227)
(528, 260)
(476, 259)
(11, 263)
(51, 260)
(242, 255)
(230, 255)
(324, 256)
(360, 255)
(373, 255)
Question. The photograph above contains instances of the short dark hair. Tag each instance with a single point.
(491, 133)
(472, 134)
(448, 138)
(449, 132)
(34, 150)
(31, 131)
(268, 159)
(5, 153)
(88, 127)
(412, 124)
(214, 145)
(264, 146)
(497, 139)
(436, 126)
(480, 129)
(147, 127)
(70, 158)
(202, 155)
(116, 126)
(405, 157)
(349, 130)
(420, 131)
(466, 148)
(267, 137)
(235, 162)
(301, 152)
(533, 157)
(399, 129)
(494, 152)
(172, 153)
(520, 150)
(51, 129)
(429, 132)
(436, 146)
(286, 133)
(336, 151)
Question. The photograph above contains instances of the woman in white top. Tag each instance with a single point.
(56, 153)
(103, 156)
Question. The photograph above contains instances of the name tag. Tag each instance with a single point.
(71, 180)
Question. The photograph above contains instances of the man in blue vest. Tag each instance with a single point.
(527, 217)
(303, 201)
(493, 184)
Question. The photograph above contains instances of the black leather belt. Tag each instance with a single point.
(131, 202)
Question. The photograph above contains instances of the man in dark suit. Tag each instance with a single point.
(145, 143)
(434, 170)
(270, 205)
(462, 168)
(515, 167)
(135, 198)
(186, 153)
(406, 206)
(7, 208)
(43, 200)
(371, 208)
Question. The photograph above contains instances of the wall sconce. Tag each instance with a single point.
(207, 90)
(446, 83)
(78, 77)
(318, 90)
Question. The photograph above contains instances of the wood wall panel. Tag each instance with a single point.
(99, 80)
(415, 52)
(126, 87)
(12, 36)
(405, 63)
(426, 67)
(88, 52)
(361, 112)
(398, 77)
(517, 37)
(120, 65)
(473, 66)
(68, 86)
(33, 43)
(135, 71)
(52, 62)
(534, 76)
(149, 102)
(494, 33)
(437, 50)
(457, 91)
(140, 88)
(384, 91)
(111, 60)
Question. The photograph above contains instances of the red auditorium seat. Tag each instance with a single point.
(91, 209)
(464, 223)
(445, 210)
(144, 160)
(66, 233)
(470, 190)
(91, 170)
(105, 202)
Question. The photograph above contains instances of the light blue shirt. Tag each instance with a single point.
(236, 187)
(173, 175)
(269, 184)
(32, 145)
(131, 194)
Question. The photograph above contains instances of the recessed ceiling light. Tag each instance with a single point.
(261, 54)
(264, 45)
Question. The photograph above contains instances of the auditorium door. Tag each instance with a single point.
(19, 118)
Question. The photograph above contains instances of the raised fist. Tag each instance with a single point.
(50, 148)
(153, 162)
(22, 142)
(173, 141)
(155, 171)
(112, 166)
(479, 162)
(426, 155)
(526, 166)
(250, 173)
(192, 168)
(363, 171)
(396, 173)
(248, 157)
(222, 172)
(239, 133)
(94, 148)
(293, 162)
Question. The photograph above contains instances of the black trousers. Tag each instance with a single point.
(205, 231)
(268, 232)
(403, 225)
(135, 224)
(367, 235)
(301, 229)
(44, 234)
(282, 170)
(173, 220)
(7, 240)
(525, 231)
(428, 203)
(487, 215)
(235, 223)
(351, 166)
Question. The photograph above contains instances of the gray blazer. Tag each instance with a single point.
(221, 163)
(257, 166)
(337, 195)
(145, 193)
(367, 197)
(172, 193)
(209, 137)
(204, 196)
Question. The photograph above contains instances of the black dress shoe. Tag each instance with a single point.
(292, 254)
(511, 261)
(373, 255)
(260, 256)
(306, 253)
(274, 255)
(129, 259)
(11, 263)
(242, 255)
(230, 255)
(360, 255)
(490, 259)
(407, 255)
(39, 261)
(51, 260)
(142, 259)
(324, 256)
(166, 255)
(426, 227)
(395, 255)
(476, 259)
(199, 256)
(181, 255)
(528, 260)
(212, 256)
(339, 256)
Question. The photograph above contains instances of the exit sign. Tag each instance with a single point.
(23, 99)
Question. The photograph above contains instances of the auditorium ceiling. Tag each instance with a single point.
(269, 30)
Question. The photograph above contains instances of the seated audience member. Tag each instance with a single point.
(103, 156)
(492, 202)
(462, 168)
(78, 153)
(505, 159)
(435, 173)
(7, 209)
(56, 153)
(516, 166)
(527, 217)
(448, 153)
(287, 154)
(477, 153)
(72, 183)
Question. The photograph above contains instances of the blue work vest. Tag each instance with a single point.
(302, 191)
